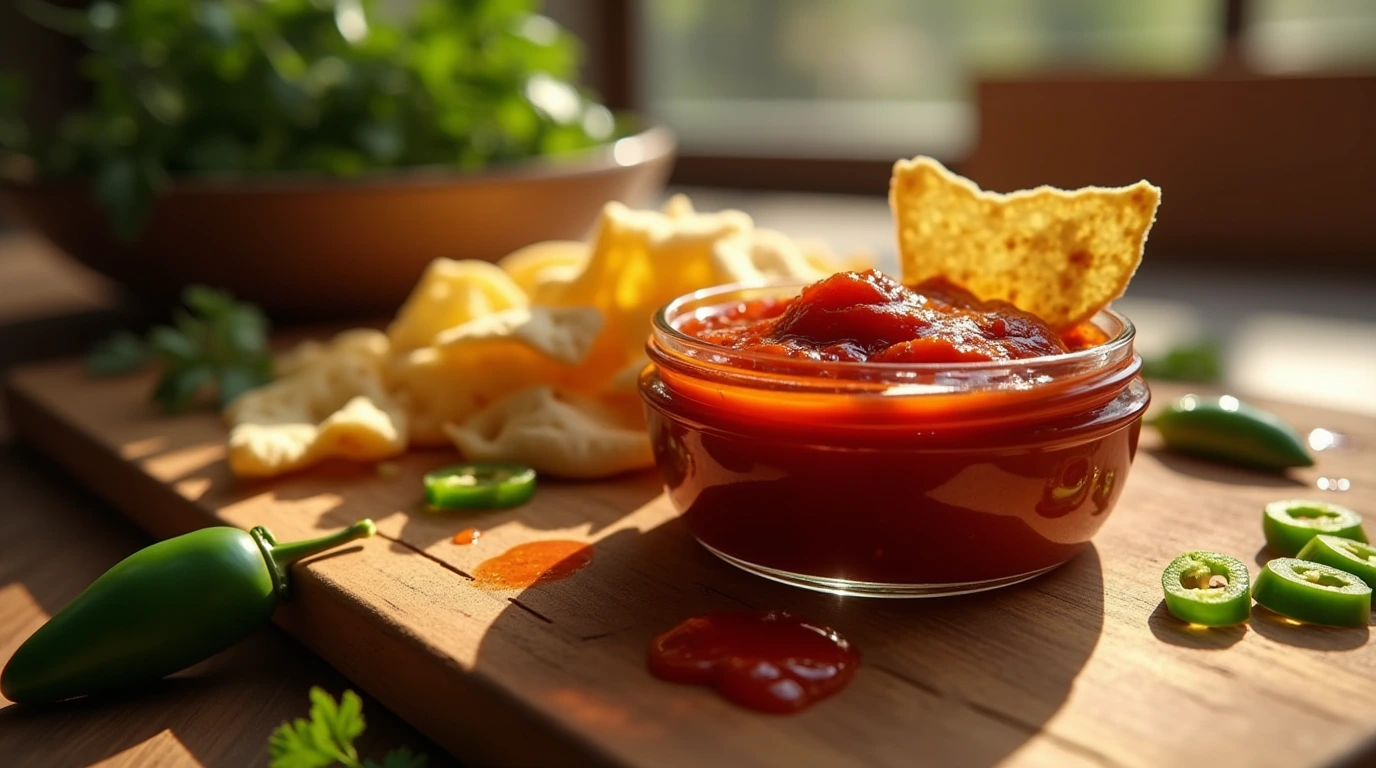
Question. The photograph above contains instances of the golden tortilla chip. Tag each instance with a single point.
(565, 334)
(1060, 255)
(534, 264)
(332, 405)
(489, 358)
(555, 434)
(451, 293)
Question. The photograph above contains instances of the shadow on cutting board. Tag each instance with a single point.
(1216, 472)
(54, 540)
(957, 681)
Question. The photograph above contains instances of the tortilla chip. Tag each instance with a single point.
(555, 434)
(1060, 255)
(565, 334)
(488, 358)
(332, 405)
(451, 293)
(534, 264)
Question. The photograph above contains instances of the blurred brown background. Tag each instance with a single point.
(1256, 117)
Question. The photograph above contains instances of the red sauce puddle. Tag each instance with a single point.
(467, 536)
(766, 660)
(532, 564)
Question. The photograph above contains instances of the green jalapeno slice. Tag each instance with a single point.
(1355, 557)
(1313, 593)
(1207, 588)
(1290, 524)
(479, 486)
(1225, 429)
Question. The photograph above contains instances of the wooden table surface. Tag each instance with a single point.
(56, 538)
(1130, 664)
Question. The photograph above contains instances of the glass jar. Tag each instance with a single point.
(889, 480)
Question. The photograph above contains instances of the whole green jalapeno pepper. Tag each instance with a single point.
(1225, 429)
(161, 610)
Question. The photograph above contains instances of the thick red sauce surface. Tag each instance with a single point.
(770, 661)
(869, 316)
(532, 564)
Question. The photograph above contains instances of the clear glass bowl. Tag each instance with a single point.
(890, 480)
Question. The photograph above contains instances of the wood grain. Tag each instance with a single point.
(1080, 667)
(54, 540)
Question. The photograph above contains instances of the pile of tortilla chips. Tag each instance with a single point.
(532, 360)
(535, 359)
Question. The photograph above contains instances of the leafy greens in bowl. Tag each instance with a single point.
(335, 88)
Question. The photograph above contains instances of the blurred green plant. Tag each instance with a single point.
(333, 87)
(1199, 362)
(213, 342)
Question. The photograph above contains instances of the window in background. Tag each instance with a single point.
(875, 79)
(1303, 36)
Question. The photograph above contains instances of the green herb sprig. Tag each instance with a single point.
(327, 738)
(1199, 363)
(339, 88)
(212, 341)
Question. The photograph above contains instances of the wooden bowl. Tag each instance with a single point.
(310, 248)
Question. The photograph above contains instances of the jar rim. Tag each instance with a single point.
(668, 336)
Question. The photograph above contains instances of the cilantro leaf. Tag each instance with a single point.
(327, 738)
(338, 723)
(214, 340)
(123, 352)
(178, 386)
(293, 745)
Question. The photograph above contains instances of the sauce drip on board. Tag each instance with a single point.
(532, 564)
(467, 536)
(869, 316)
(771, 661)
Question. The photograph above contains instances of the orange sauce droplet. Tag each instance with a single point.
(532, 564)
(766, 660)
(467, 536)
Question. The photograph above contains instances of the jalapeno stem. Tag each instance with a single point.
(286, 554)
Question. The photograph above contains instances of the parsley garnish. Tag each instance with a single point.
(214, 340)
(1200, 362)
(327, 738)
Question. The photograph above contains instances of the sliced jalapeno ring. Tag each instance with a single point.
(1207, 588)
(479, 486)
(1356, 557)
(1228, 430)
(1313, 593)
(1290, 524)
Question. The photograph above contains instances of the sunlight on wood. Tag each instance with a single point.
(179, 463)
(17, 599)
(160, 749)
(306, 508)
(193, 487)
(592, 710)
(144, 448)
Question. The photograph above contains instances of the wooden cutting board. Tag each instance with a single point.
(1080, 667)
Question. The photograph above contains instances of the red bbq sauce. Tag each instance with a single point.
(869, 316)
(768, 660)
(532, 564)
